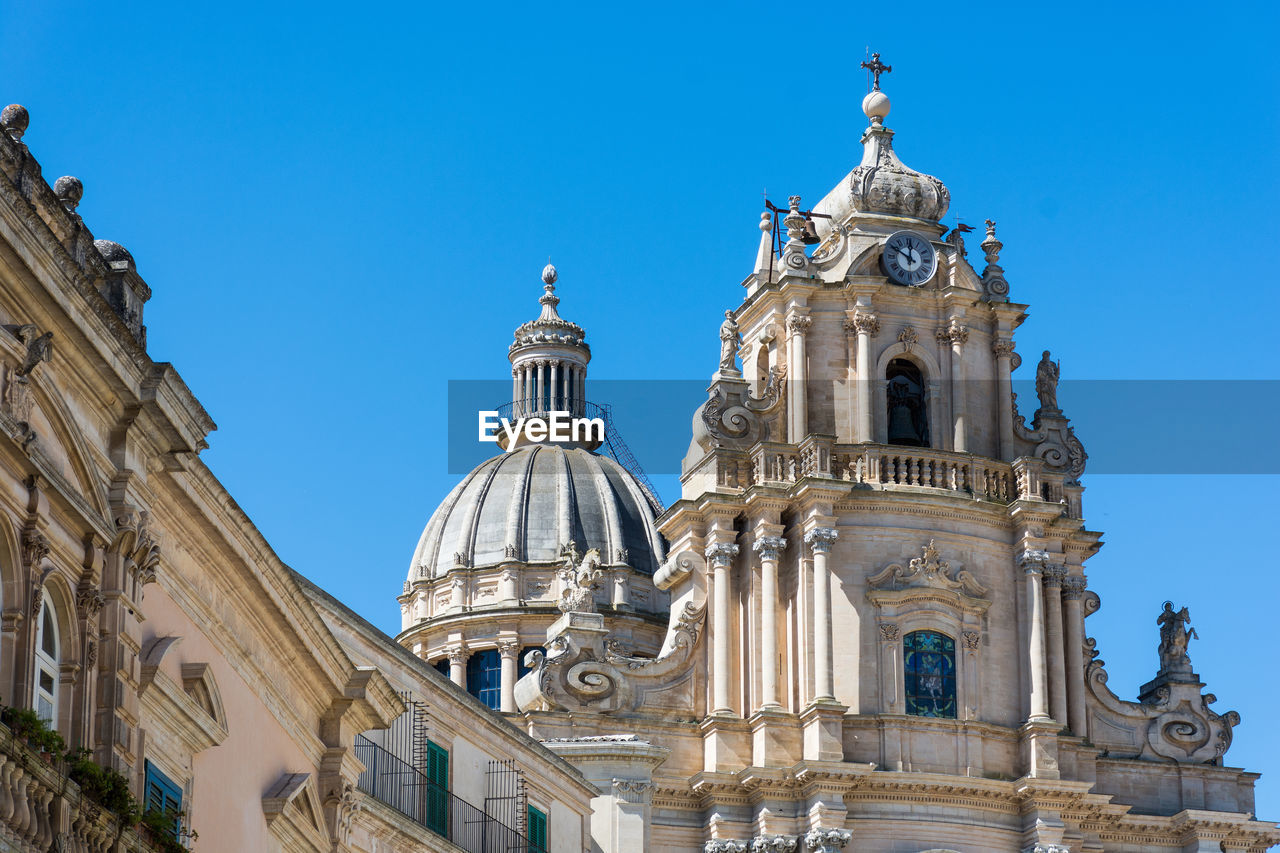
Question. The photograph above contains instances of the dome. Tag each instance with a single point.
(523, 506)
(882, 184)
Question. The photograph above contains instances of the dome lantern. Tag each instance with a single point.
(549, 359)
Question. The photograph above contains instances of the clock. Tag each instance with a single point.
(909, 259)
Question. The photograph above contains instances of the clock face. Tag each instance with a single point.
(909, 259)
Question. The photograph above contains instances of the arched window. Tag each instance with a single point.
(908, 414)
(48, 657)
(929, 658)
(484, 677)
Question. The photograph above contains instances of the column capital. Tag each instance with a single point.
(721, 554)
(1002, 347)
(508, 648)
(1033, 560)
(769, 547)
(864, 323)
(1054, 575)
(1073, 588)
(958, 333)
(799, 323)
(457, 655)
(826, 840)
(820, 539)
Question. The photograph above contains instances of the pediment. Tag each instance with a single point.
(294, 813)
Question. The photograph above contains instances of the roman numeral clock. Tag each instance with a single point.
(909, 259)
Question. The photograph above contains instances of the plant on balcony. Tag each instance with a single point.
(166, 831)
(26, 725)
(106, 787)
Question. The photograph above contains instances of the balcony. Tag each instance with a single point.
(407, 790)
(40, 805)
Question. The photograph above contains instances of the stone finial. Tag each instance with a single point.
(549, 274)
(793, 254)
(14, 120)
(990, 244)
(69, 191)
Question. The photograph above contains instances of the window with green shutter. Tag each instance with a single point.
(537, 830)
(160, 794)
(437, 788)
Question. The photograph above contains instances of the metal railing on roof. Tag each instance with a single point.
(407, 790)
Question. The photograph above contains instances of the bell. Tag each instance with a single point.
(902, 429)
(810, 237)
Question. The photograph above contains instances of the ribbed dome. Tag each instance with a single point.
(523, 506)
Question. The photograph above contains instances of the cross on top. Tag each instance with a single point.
(876, 67)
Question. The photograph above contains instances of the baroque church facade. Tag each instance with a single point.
(861, 627)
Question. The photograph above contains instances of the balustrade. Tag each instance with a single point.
(39, 806)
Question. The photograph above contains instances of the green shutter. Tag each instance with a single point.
(537, 830)
(437, 789)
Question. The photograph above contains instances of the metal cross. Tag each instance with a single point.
(876, 67)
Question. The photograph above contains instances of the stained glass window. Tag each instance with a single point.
(930, 662)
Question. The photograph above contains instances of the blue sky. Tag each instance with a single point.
(341, 208)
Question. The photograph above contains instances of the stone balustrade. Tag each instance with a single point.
(879, 465)
(42, 809)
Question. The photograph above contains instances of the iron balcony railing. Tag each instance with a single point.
(407, 790)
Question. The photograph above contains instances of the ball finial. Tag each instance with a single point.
(69, 190)
(876, 106)
(549, 274)
(14, 119)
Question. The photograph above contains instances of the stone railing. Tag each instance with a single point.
(881, 465)
(42, 809)
(889, 465)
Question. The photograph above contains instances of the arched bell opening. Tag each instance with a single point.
(906, 400)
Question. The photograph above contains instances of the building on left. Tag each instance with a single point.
(148, 622)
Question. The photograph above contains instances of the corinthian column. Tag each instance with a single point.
(866, 326)
(769, 547)
(798, 400)
(959, 336)
(1072, 589)
(720, 555)
(1003, 348)
(820, 539)
(1053, 577)
(1033, 564)
(508, 650)
(554, 385)
(458, 665)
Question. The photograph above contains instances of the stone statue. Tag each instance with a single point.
(578, 580)
(39, 347)
(1175, 633)
(1047, 373)
(730, 341)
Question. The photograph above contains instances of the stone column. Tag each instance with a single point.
(458, 665)
(540, 387)
(959, 336)
(769, 547)
(1033, 563)
(1003, 348)
(797, 370)
(866, 326)
(947, 399)
(720, 555)
(509, 651)
(1072, 589)
(1053, 577)
(517, 378)
(820, 539)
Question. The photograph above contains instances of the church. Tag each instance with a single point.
(861, 627)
